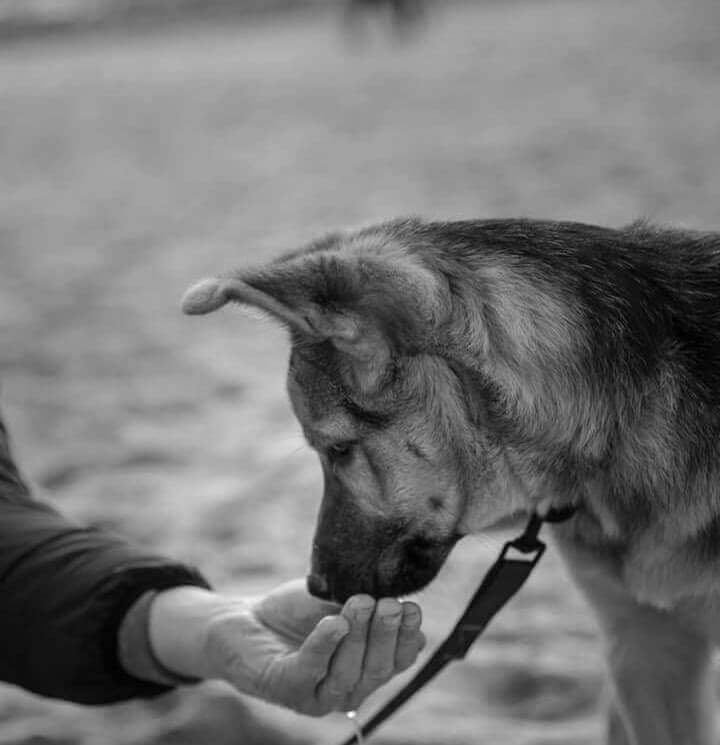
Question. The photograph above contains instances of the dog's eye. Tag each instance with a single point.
(341, 450)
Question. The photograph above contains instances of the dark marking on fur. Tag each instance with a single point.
(436, 503)
(377, 471)
(416, 450)
(706, 543)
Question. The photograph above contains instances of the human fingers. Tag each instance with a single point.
(379, 662)
(291, 611)
(346, 666)
(312, 660)
(410, 640)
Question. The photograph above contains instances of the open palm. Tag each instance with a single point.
(314, 656)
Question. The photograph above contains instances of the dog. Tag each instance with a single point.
(451, 375)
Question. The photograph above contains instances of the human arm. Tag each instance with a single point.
(88, 617)
(287, 647)
(64, 590)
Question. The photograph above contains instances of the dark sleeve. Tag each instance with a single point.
(64, 591)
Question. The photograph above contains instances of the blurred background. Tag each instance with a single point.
(147, 143)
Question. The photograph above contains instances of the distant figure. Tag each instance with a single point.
(403, 15)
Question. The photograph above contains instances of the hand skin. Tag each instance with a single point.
(287, 647)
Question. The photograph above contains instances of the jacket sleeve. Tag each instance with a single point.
(64, 592)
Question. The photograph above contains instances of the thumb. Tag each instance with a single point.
(290, 610)
(317, 650)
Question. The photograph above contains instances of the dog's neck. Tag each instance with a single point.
(551, 464)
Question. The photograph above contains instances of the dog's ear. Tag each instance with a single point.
(211, 294)
(369, 306)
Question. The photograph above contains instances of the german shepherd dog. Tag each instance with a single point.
(451, 375)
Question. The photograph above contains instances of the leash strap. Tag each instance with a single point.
(504, 578)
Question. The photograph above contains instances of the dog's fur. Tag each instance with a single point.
(453, 374)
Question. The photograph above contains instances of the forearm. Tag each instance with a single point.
(195, 634)
(179, 623)
(65, 590)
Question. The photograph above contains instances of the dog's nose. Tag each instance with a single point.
(318, 586)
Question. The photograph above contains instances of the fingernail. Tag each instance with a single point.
(363, 611)
(391, 620)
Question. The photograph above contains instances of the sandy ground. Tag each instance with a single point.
(129, 167)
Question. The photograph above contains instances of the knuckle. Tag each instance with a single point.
(379, 673)
(410, 625)
(408, 633)
(409, 629)
(387, 629)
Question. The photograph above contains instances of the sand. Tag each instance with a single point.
(130, 166)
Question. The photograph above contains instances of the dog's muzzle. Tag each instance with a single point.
(318, 586)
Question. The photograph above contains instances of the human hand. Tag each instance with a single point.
(315, 662)
(288, 647)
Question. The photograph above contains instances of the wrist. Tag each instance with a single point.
(179, 624)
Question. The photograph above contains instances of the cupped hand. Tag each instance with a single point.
(313, 656)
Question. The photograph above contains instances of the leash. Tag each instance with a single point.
(504, 578)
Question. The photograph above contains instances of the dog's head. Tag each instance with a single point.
(410, 457)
